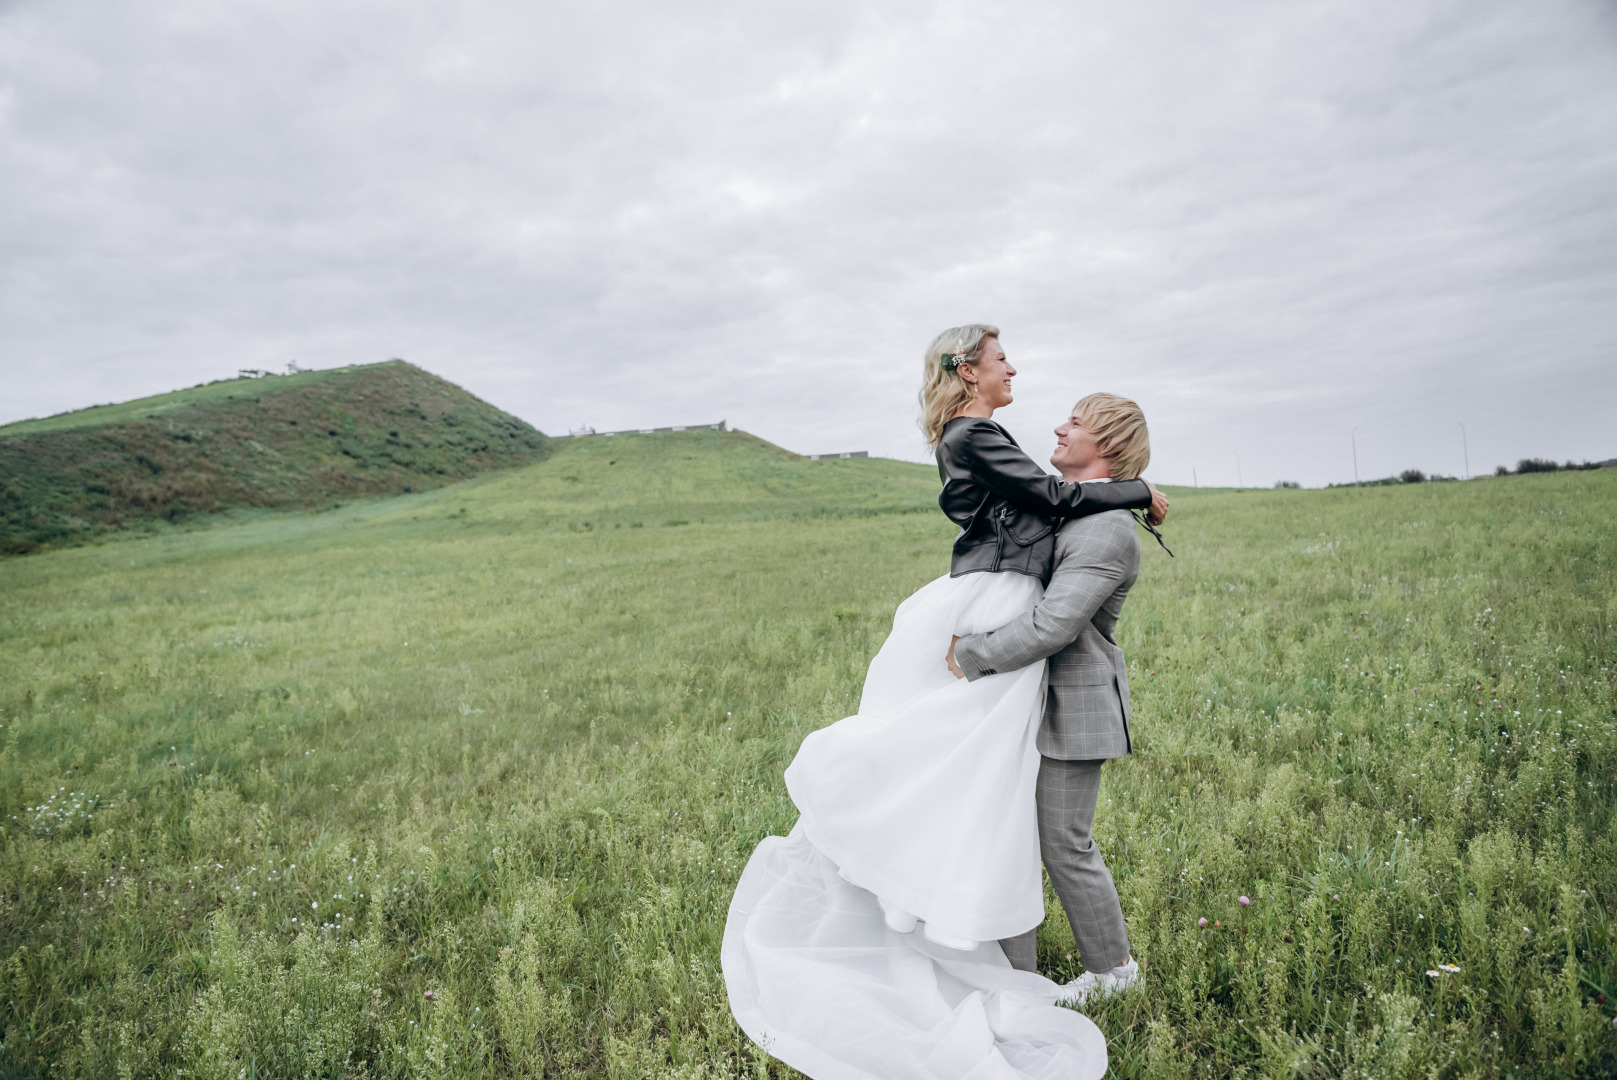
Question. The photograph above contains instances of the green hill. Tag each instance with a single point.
(282, 441)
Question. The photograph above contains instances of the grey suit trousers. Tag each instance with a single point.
(1066, 804)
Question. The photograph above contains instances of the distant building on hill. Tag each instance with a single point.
(587, 430)
(844, 454)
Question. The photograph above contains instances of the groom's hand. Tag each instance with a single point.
(1158, 512)
(954, 667)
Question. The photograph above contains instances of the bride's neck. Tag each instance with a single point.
(976, 408)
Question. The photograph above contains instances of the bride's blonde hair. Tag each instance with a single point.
(943, 391)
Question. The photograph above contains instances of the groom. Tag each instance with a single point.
(1086, 713)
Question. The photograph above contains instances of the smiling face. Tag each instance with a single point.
(991, 374)
(1077, 455)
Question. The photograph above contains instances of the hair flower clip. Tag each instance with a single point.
(949, 361)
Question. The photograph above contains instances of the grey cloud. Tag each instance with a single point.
(1271, 223)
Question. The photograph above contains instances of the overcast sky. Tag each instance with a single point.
(1269, 222)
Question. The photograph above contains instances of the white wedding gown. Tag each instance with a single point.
(864, 945)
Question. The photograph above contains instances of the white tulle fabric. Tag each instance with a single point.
(865, 943)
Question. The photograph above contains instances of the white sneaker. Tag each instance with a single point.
(898, 920)
(1092, 984)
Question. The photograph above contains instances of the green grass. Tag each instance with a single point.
(528, 729)
(304, 440)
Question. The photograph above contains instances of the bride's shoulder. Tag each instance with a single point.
(962, 430)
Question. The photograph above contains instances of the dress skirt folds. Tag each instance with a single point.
(865, 943)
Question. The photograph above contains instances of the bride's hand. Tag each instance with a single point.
(954, 667)
(1159, 506)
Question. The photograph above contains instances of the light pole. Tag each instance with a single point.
(1355, 457)
(1465, 450)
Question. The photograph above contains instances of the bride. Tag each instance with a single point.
(866, 943)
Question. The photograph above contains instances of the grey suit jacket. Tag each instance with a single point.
(1086, 712)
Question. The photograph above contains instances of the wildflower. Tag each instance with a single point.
(1245, 902)
(1201, 922)
(1450, 968)
(314, 903)
(428, 995)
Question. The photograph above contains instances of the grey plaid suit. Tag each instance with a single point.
(1086, 719)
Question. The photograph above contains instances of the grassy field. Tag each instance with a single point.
(510, 742)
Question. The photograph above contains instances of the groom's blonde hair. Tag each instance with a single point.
(1120, 433)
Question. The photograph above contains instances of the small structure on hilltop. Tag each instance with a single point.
(844, 454)
(587, 430)
(260, 373)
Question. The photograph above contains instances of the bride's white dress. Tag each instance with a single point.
(864, 945)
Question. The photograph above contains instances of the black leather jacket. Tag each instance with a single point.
(1004, 503)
